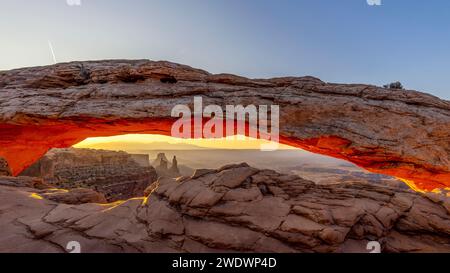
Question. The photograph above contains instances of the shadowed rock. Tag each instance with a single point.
(4, 168)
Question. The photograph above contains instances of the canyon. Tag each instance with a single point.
(401, 133)
(116, 175)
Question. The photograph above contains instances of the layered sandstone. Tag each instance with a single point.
(236, 208)
(402, 133)
(117, 175)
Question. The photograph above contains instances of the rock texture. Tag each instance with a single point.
(236, 208)
(38, 189)
(341, 174)
(395, 132)
(142, 159)
(117, 175)
(4, 168)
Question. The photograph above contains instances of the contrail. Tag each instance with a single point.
(53, 52)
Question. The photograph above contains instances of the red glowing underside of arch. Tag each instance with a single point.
(21, 146)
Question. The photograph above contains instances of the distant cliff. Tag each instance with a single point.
(117, 175)
(141, 159)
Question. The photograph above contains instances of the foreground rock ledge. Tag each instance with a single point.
(400, 133)
(236, 208)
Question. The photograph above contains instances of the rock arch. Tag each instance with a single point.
(401, 133)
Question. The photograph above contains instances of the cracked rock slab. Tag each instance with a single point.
(288, 214)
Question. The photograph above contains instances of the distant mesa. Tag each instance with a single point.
(141, 159)
(117, 175)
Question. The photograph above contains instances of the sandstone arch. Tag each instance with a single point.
(400, 133)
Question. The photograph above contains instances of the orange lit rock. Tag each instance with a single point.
(400, 133)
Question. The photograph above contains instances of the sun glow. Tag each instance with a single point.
(36, 196)
(122, 142)
(411, 184)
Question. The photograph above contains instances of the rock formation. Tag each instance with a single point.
(4, 168)
(401, 133)
(174, 166)
(37, 189)
(236, 208)
(161, 164)
(115, 174)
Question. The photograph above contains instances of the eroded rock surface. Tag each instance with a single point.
(38, 189)
(236, 208)
(117, 175)
(395, 132)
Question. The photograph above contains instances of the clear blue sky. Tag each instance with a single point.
(337, 41)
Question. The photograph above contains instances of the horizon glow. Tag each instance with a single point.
(121, 142)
